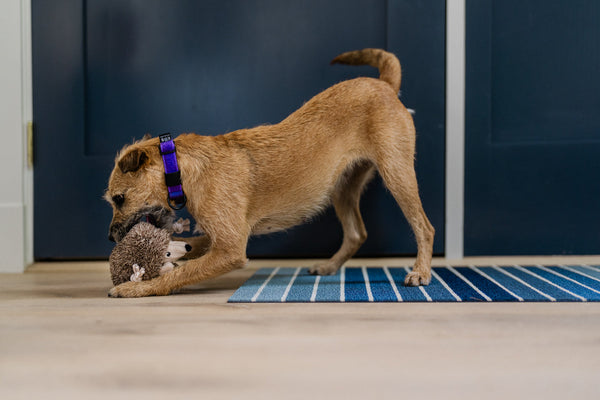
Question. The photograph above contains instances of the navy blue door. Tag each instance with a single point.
(109, 71)
(532, 127)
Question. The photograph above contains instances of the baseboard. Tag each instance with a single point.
(12, 245)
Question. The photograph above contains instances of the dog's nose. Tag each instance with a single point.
(188, 247)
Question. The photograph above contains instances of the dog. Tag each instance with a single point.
(272, 177)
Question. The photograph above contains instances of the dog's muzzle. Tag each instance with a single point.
(114, 232)
(158, 216)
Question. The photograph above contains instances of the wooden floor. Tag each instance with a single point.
(61, 337)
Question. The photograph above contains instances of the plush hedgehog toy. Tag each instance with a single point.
(146, 252)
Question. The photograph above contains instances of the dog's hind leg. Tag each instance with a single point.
(398, 173)
(346, 200)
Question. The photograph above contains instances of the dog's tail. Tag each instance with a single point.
(387, 63)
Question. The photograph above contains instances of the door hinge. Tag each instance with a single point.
(30, 144)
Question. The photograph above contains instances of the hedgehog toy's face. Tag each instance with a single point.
(176, 250)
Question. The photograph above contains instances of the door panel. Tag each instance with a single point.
(532, 127)
(107, 72)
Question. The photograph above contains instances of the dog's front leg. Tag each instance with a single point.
(214, 263)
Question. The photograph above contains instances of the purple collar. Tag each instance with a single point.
(176, 197)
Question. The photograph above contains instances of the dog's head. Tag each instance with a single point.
(136, 189)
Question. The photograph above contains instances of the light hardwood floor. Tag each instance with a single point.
(61, 337)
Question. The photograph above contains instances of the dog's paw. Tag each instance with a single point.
(135, 289)
(324, 268)
(127, 289)
(113, 292)
(417, 278)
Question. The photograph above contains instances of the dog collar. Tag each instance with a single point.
(176, 197)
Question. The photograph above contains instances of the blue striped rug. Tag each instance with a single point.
(448, 284)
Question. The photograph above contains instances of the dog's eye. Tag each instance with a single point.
(118, 200)
(168, 254)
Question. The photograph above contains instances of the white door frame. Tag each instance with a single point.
(16, 180)
(455, 128)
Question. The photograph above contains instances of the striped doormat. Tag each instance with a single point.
(448, 284)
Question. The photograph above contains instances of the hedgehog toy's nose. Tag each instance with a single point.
(188, 247)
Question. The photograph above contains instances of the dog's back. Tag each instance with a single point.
(302, 158)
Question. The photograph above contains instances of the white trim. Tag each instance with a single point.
(455, 128)
(15, 111)
(27, 104)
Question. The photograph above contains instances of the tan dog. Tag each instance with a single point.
(269, 178)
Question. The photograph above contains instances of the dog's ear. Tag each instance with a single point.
(147, 136)
(133, 160)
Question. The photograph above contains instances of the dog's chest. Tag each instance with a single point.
(285, 220)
